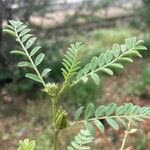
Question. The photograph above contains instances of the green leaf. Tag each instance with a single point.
(18, 24)
(34, 50)
(125, 59)
(26, 145)
(139, 42)
(89, 111)
(18, 52)
(141, 47)
(112, 123)
(9, 32)
(120, 110)
(89, 127)
(78, 113)
(65, 66)
(108, 71)
(64, 72)
(133, 53)
(30, 42)
(108, 56)
(81, 140)
(133, 41)
(116, 65)
(25, 31)
(136, 53)
(135, 109)
(9, 27)
(25, 64)
(123, 48)
(100, 111)
(94, 63)
(39, 59)
(22, 27)
(74, 144)
(79, 74)
(77, 139)
(13, 23)
(45, 71)
(33, 77)
(99, 125)
(69, 56)
(27, 36)
(67, 62)
(128, 108)
(128, 43)
(95, 77)
(111, 108)
(116, 49)
(101, 60)
(72, 60)
(87, 69)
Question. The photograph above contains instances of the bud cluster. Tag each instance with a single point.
(51, 89)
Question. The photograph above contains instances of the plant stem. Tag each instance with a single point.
(113, 117)
(54, 110)
(125, 136)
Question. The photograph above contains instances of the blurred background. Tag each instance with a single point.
(24, 108)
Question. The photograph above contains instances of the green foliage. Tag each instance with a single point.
(78, 113)
(106, 62)
(27, 145)
(89, 111)
(111, 60)
(54, 50)
(81, 140)
(27, 41)
(71, 62)
(113, 114)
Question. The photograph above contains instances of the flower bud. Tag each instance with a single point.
(51, 89)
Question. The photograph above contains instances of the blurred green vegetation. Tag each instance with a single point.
(141, 87)
(141, 142)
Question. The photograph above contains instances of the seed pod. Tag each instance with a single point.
(61, 119)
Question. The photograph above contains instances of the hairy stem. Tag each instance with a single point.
(54, 110)
(125, 136)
